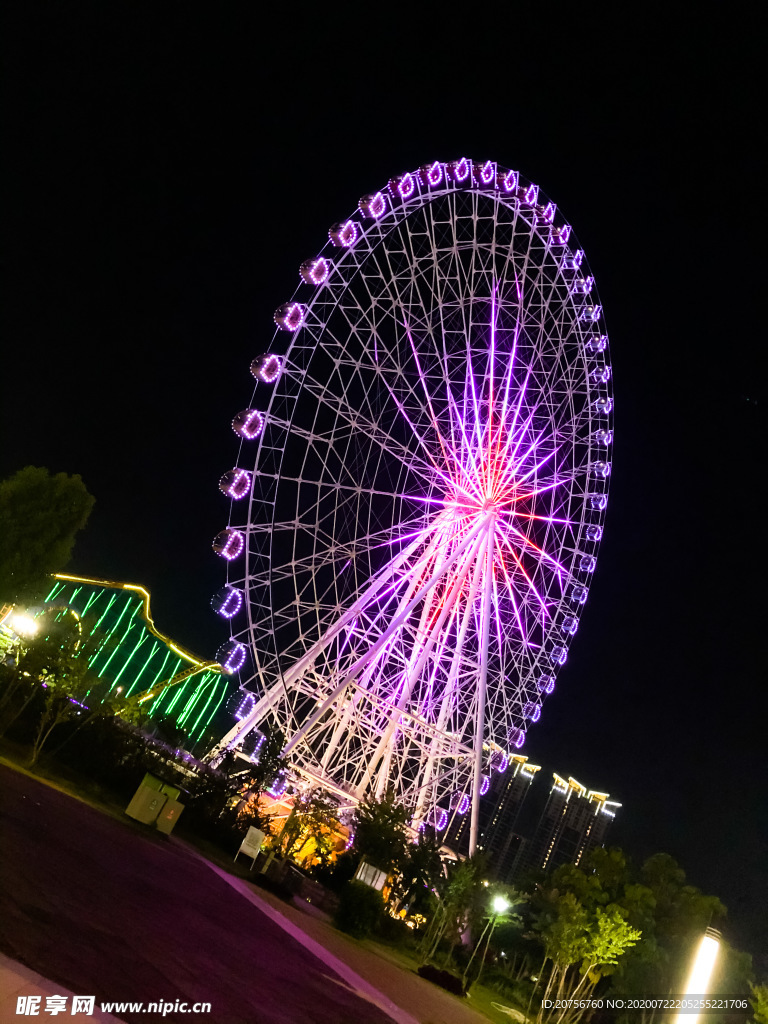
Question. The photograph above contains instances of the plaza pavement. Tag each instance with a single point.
(102, 906)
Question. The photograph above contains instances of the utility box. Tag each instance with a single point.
(146, 804)
(169, 815)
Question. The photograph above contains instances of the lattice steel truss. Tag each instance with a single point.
(427, 492)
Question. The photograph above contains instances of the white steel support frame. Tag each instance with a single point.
(428, 493)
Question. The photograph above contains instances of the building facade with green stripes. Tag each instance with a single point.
(135, 656)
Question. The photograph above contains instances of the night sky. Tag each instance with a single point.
(171, 169)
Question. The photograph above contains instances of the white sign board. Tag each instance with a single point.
(372, 876)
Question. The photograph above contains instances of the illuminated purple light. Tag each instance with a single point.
(587, 563)
(591, 314)
(485, 784)
(431, 174)
(463, 805)
(499, 761)
(235, 484)
(404, 186)
(531, 195)
(483, 173)
(579, 594)
(546, 214)
(601, 470)
(248, 424)
(440, 819)
(570, 625)
(459, 170)
(601, 374)
(582, 286)
(561, 235)
(594, 533)
(603, 405)
(231, 656)
(267, 368)
(532, 711)
(227, 602)
(516, 737)
(509, 181)
(572, 261)
(290, 316)
(603, 437)
(278, 785)
(244, 708)
(597, 343)
(315, 271)
(598, 501)
(343, 235)
(558, 655)
(229, 544)
(374, 205)
(546, 684)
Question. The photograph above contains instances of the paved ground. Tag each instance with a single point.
(100, 908)
(16, 981)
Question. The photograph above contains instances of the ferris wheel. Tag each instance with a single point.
(420, 490)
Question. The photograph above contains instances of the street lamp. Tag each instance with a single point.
(701, 971)
(24, 625)
(499, 906)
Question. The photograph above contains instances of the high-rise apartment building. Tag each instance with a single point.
(575, 820)
(499, 811)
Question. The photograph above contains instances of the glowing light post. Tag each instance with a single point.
(701, 972)
(24, 625)
(499, 905)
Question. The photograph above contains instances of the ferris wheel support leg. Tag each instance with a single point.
(272, 696)
(474, 827)
(365, 678)
(394, 626)
(414, 671)
(450, 690)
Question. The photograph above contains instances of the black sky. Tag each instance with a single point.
(170, 168)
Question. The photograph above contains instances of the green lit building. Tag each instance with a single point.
(136, 657)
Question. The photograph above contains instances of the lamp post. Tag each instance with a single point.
(499, 906)
(701, 971)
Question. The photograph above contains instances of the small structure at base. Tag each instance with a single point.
(371, 875)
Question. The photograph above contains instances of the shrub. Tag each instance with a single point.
(444, 979)
(395, 931)
(360, 909)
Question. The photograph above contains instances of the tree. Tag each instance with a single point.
(312, 827)
(420, 873)
(460, 897)
(580, 945)
(760, 1003)
(40, 514)
(380, 831)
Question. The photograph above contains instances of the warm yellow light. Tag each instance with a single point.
(701, 972)
(24, 625)
(499, 904)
